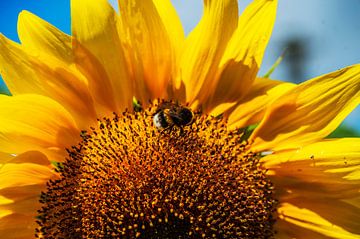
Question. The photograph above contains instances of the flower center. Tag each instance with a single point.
(130, 179)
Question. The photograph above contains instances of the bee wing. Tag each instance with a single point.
(174, 115)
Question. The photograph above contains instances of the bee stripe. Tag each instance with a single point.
(163, 119)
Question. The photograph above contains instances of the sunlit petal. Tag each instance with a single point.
(95, 27)
(34, 73)
(311, 221)
(37, 122)
(310, 111)
(251, 108)
(243, 55)
(205, 46)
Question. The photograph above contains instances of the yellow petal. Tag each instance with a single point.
(31, 122)
(23, 199)
(287, 230)
(3, 212)
(316, 177)
(243, 55)
(19, 213)
(330, 168)
(17, 226)
(42, 74)
(250, 110)
(26, 201)
(23, 196)
(309, 221)
(98, 82)
(176, 36)
(205, 45)
(12, 195)
(155, 36)
(309, 112)
(333, 156)
(171, 21)
(22, 180)
(37, 35)
(5, 157)
(221, 108)
(32, 157)
(95, 27)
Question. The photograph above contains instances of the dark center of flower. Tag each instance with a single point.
(128, 179)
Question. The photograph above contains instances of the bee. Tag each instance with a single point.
(170, 114)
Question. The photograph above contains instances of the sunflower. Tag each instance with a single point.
(129, 129)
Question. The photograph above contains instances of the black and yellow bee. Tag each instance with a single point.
(171, 114)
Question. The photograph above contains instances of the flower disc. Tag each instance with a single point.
(127, 179)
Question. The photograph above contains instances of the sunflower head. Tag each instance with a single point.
(213, 151)
(128, 178)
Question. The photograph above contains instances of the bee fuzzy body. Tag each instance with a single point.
(169, 115)
(162, 120)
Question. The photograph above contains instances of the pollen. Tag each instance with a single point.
(128, 179)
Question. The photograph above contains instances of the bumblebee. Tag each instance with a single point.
(170, 114)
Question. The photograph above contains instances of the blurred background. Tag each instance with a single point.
(320, 36)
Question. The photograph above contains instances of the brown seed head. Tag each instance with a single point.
(127, 179)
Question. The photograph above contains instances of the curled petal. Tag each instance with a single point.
(309, 112)
(28, 71)
(243, 55)
(205, 46)
(34, 122)
(95, 27)
(304, 223)
(250, 110)
(39, 36)
(323, 177)
(154, 38)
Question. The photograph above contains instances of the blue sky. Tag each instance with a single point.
(330, 29)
